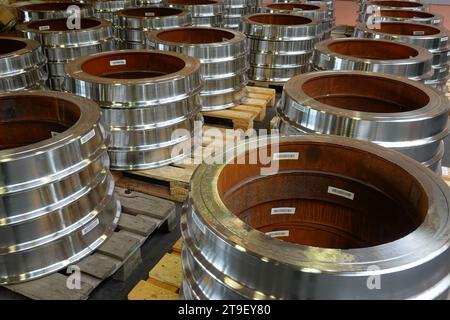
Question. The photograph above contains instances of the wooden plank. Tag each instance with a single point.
(119, 246)
(178, 246)
(258, 110)
(99, 265)
(129, 266)
(147, 291)
(168, 270)
(166, 173)
(255, 92)
(136, 224)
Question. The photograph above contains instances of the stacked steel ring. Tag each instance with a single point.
(234, 10)
(317, 12)
(149, 103)
(62, 45)
(374, 55)
(394, 112)
(56, 191)
(22, 64)
(106, 9)
(330, 217)
(328, 3)
(400, 16)
(205, 13)
(135, 23)
(52, 10)
(280, 45)
(223, 57)
(433, 38)
(377, 5)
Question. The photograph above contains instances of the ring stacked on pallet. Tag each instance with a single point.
(53, 10)
(234, 10)
(223, 57)
(205, 13)
(57, 194)
(433, 38)
(394, 112)
(280, 45)
(62, 45)
(149, 103)
(135, 23)
(22, 64)
(400, 16)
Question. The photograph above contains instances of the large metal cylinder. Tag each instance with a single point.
(234, 10)
(205, 13)
(22, 64)
(62, 45)
(134, 24)
(280, 45)
(223, 57)
(394, 112)
(375, 6)
(400, 16)
(336, 214)
(149, 102)
(53, 10)
(433, 38)
(328, 3)
(57, 201)
(106, 9)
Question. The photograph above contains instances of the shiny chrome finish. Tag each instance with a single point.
(56, 192)
(401, 16)
(328, 3)
(205, 13)
(393, 112)
(234, 10)
(135, 23)
(106, 9)
(22, 64)
(378, 5)
(149, 102)
(62, 45)
(280, 45)
(318, 227)
(223, 58)
(52, 10)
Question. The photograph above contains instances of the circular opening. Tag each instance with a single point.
(361, 200)
(292, 6)
(192, 2)
(132, 65)
(399, 4)
(10, 45)
(195, 35)
(28, 119)
(407, 29)
(61, 24)
(51, 6)
(368, 49)
(365, 93)
(157, 12)
(405, 14)
(280, 19)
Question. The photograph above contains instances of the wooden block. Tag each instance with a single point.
(166, 173)
(147, 291)
(168, 270)
(136, 224)
(98, 265)
(119, 246)
(139, 238)
(258, 110)
(263, 91)
(178, 246)
(231, 115)
(129, 266)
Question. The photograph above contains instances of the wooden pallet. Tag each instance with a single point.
(276, 86)
(118, 257)
(446, 175)
(164, 280)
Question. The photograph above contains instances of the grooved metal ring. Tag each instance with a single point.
(204, 12)
(52, 10)
(401, 16)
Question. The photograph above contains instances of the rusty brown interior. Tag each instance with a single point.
(405, 14)
(191, 2)
(10, 45)
(138, 65)
(280, 19)
(158, 12)
(52, 6)
(407, 29)
(365, 93)
(292, 6)
(26, 120)
(61, 24)
(369, 49)
(388, 202)
(400, 4)
(195, 35)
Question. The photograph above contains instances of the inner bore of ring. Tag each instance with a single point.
(280, 19)
(61, 24)
(405, 14)
(158, 12)
(365, 93)
(132, 65)
(292, 6)
(10, 45)
(25, 120)
(400, 4)
(369, 49)
(407, 29)
(195, 35)
(49, 6)
(331, 197)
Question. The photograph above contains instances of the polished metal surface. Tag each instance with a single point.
(328, 3)
(205, 13)
(234, 10)
(394, 112)
(22, 64)
(149, 102)
(134, 24)
(52, 10)
(223, 56)
(401, 16)
(106, 9)
(335, 215)
(56, 192)
(62, 45)
(280, 45)
(378, 5)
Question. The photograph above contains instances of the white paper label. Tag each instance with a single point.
(282, 210)
(437, 21)
(54, 134)
(278, 233)
(444, 39)
(149, 14)
(198, 223)
(443, 70)
(285, 156)
(42, 28)
(118, 62)
(445, 171)
(90, 226)
(88, 136)
(341, 192)
(418, 33)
